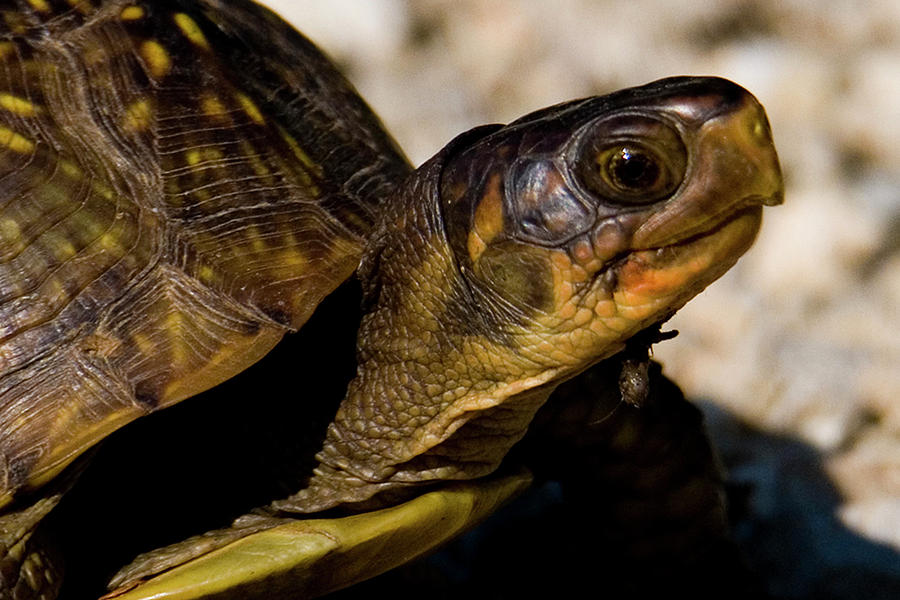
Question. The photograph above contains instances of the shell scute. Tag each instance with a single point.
(180, 184)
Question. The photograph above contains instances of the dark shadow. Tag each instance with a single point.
(784, 521)
(784, 510)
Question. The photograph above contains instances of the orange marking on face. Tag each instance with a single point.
(488, 219)
(639, 276)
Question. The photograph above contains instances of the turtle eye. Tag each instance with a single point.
(632, 160)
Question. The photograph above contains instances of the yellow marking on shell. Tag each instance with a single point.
(302, 156)
(292, 258)
(9, 229)
(89, 227)
(212, 106)
(15, 22)
(195, 156)
(143, 343)
(138, 115)
(206, 274)
(191, 30)
(104, 190)
(112, 242)
(15, 141)
(15, 104)
(250, 108)
(83, 6)
(6, 49)
(307, 163)
(39, 5)
(70, 169)
(174, 325)
(132, 13)
(63, 248)
(256, 240)
(156, 57)
(256, 163)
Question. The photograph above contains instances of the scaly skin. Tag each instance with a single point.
(498, 271)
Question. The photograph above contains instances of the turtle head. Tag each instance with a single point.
(520, 255)
(594, 219)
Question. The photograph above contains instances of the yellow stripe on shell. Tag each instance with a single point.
(191, 30)
(15, 142)
(206, 274)
(39, 5)
(70, 169)
(15, 104)
(63, 248)
(175, 327)
(156, 57)
(196, 156)
(82, 6)
(143, 344)
(15, 22)
(10, 230)
(305, 161)
(212, 106)
(250, 108)
(138, 115)
(302, 156)
(132, 13)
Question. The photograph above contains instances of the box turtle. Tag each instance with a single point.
(183, 182)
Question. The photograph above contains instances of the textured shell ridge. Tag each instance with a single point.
(172, 200)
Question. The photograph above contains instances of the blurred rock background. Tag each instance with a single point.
(795, 354)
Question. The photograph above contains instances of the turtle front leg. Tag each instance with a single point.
(264, 558)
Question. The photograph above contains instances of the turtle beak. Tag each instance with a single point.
(733, 166)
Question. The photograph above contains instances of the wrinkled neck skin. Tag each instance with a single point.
(437, 395)
(509, 263)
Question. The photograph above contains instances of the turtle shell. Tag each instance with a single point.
(182, 183)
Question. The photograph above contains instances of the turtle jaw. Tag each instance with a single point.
(653, 283)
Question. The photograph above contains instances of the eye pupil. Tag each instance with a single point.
(633, 170)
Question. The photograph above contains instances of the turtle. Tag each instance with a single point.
(184, 182)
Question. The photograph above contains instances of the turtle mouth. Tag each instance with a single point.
(640, 286)
(713, 222)
(725, 235)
